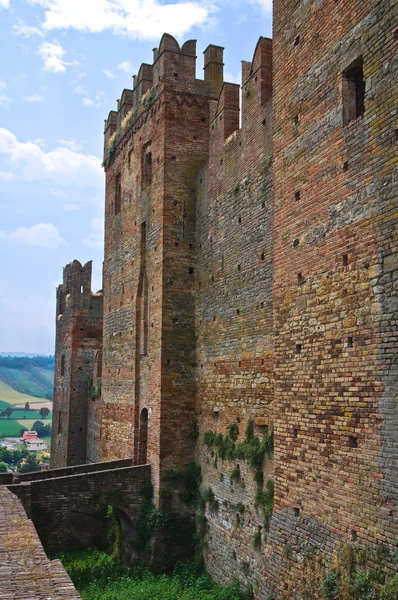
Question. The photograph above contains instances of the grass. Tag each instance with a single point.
(7, 394)
(29, 422)
(98, 577)
(34, 381)
(11, 428)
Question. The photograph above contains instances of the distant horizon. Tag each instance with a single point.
(25, 354)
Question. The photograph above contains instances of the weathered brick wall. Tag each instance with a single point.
(149, 349)
(78, 340)
(66, 510)
(234, 311)
(335, 203)
(26, 572)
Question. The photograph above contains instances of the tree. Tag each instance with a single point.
(27, 406)
(3, 467)
(5, 455)
(8, 411)
(41, 428)
(44, 412)
(30, 465)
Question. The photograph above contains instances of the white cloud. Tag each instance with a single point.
(26, 30)
(28, 161)
(40, 142)
(52, 57)
(109, 74)
(3, 85)
(126, 66)
(265, 5)
(34, 98)
(135, 19)
(44, 235)
(80, 89)
(95, 240)
(72, 144)
(97, 102)
(4, 3)
(5, 101)
(71, 207)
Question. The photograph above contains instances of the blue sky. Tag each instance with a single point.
(63, 64)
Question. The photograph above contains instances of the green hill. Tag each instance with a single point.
(33, 376)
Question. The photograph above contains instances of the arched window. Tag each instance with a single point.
(143, 438)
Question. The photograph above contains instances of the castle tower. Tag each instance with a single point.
(78, 342)
(154, 146)
(335, 263)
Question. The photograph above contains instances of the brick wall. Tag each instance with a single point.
(65, 509)
(26, 572)
(78, 341)
(250, 273)
(149, 269)
(335, 203)
(234, 309)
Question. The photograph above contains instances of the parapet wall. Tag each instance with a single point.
(67, 510)
(26, 572)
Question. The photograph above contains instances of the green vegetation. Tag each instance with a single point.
(3, 467)
(30, 464)
(10, 428)
(98, 577)
(253, 450)
(43, 431)
(32, 376)
(12, 456)
(12, 396)
(355, 573)
(95, 391)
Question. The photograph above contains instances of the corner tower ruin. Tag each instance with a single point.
(78, 346)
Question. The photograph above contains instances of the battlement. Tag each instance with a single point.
(75, 291)
(173, 69)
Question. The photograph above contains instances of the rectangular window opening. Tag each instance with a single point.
(146, 166)
(354, 86)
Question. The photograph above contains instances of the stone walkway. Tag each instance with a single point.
(25, 571)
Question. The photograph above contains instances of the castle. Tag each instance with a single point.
(250, 284)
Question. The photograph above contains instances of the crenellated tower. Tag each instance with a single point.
(78, 344)
(154, 145)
